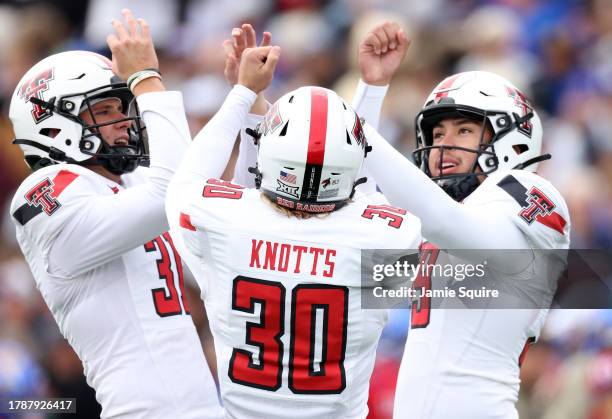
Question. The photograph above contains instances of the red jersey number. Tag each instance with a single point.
(216, 188)
(166, 299)
(311, 370)
(421, 306)
(393, 214)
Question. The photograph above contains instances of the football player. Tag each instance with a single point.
(91, 224)
(474, 186)
(279, 264)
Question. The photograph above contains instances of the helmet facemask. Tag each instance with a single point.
(46, 109)
(457, 185)
(118, 159)
(497, 107)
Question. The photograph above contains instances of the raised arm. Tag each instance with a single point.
(242, 38)
(210, 150)
(380, 55)
(109, 225)
(445, 222)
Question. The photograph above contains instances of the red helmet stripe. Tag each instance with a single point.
(318, 126)
(445, 86)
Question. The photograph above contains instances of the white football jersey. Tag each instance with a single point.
(113, 283)
(127, 319)
(283, 296)
(464, 363)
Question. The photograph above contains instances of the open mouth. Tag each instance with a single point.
(121, 141)
(449, 166)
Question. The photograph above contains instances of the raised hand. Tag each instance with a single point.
(242, 38)
(131, 45)
(257, 67)
(381, 53)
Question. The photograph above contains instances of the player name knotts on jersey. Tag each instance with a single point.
(284, 257)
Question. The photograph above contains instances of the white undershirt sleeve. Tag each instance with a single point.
(368, 101)
(212, 147)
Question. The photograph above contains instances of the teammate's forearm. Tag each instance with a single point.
(168, 136)
(446, 223)
(368, 101)
(211, 148)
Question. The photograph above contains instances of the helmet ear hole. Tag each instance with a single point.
(520, 148)
(50, 132)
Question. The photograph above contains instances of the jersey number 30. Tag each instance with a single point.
(313, 368)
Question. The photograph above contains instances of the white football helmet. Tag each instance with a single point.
(311, 147)
(46, 105)
(496, 103)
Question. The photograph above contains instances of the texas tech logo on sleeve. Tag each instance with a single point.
(535, 205)
(538, 203)
(43, 197)
(40, 196)
(35, 88)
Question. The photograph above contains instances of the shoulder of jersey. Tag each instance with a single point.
(211, 202)
(222, 193)
(47, 189)
(539, 208)
(389, 226)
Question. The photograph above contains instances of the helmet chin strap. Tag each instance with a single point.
(257, 173)
(117, 159)
(460, 188)
(54, 153)
(358, 182)
(532, 161)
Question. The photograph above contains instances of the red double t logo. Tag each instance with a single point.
(41, 196)
(538, 203)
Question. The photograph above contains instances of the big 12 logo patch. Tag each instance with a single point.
(35, 87)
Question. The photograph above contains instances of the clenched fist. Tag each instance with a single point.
(381, 53)
(257, 67)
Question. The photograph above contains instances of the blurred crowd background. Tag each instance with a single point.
(558, 52)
